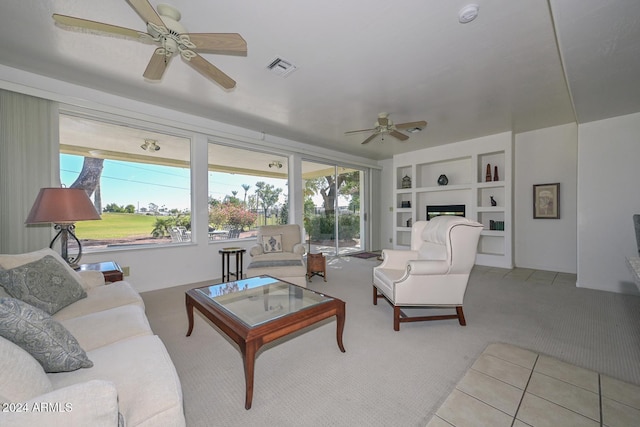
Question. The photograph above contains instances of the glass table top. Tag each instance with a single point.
(258, 300)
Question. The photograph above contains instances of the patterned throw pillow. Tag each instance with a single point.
(44, 283)
(44, 338)
(271, 244)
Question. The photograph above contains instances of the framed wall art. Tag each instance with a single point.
(546, 201)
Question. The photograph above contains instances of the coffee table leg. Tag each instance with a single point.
(249, 359)
(189, 315)
(340, 316)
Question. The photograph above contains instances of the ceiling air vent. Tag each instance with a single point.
(281, 67)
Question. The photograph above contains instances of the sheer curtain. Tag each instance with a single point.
(29, 160)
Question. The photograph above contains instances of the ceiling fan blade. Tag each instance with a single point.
(79, 24)
(146, 12)
(398, 135)
(219, 43)
(157, 65)
(409, 125)
(358, 131)
(209, 70)
(383, 121)
(369, 139)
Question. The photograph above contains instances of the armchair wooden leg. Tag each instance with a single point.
(375, 296)
(396, 318)
(460, 313)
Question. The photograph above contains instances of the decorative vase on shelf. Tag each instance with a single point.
(443, 180)
(495, 174)
(406, 182)
(409, 222)
(487, 177)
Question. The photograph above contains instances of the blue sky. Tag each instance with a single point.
(140, 184)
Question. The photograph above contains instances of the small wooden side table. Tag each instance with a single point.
(226, 253)
(316, 266)
(109, 269)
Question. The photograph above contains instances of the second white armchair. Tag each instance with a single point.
(433, 273)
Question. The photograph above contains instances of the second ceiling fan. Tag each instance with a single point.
(384, 125)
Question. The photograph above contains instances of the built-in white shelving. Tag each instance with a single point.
(465, 166)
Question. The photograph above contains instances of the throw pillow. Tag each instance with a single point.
(271, 244)
(44, 338)
(44, 283)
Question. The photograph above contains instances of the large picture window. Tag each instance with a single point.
(139, 180)
(247, 189)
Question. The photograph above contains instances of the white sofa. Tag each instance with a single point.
(279, 253)
(132, 382)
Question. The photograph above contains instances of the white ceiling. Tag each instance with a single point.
(358, 58)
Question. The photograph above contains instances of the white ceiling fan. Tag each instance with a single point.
(164, 30)
(384, 125)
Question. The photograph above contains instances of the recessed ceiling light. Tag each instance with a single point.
(414, 130)
(468, 13)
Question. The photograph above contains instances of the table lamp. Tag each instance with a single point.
(63, 207)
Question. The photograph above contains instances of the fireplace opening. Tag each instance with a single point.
(437, 210)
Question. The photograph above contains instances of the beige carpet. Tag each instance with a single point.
(389, 378)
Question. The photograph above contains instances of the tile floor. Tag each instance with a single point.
(513, 387)
(529, 275)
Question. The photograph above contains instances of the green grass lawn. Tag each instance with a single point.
(116, 226)
(123, 225)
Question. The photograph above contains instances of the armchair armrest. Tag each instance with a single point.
(299, 249)
(426, 267)
(397, 259)
(256, 250)
(91, 279)
(92, 403)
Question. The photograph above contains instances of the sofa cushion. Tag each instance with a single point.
(105, 327)
(44, 283)
(102, 298)
(272, 244)
(148, 385)
(91, 403)
(45, 339)
(21, 376)
(9, 261)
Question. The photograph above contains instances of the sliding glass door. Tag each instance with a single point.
(333, 208)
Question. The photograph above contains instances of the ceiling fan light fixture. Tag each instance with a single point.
(468, 13)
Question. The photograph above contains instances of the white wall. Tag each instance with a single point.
(608, 196)
(546, 156)
(386, 204)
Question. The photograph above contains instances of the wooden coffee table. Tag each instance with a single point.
(258, 310)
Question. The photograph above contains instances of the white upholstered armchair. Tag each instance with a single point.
(279, 253)
(433, 273)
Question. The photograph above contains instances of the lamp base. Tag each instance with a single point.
(64, 231)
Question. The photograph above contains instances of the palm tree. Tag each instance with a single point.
(246, 188)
